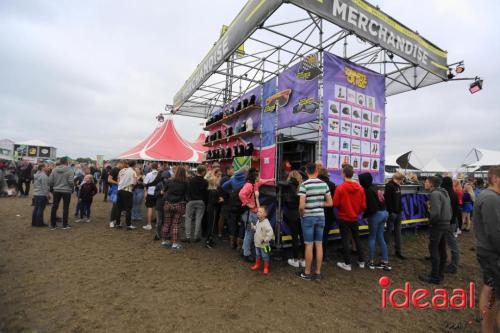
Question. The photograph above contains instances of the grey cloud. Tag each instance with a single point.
(91, 76)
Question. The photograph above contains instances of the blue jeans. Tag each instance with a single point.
(137, 200)
(312, 229)
(248, 240)
(259, 253)
(376, 224)
(40, 201)
(85, 209)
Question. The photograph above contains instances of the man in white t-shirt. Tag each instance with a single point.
(127, 178)
(152, 178)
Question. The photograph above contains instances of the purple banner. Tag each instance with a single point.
(297, 96)
(353, 119)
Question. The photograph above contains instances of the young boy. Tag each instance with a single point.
(263, 235)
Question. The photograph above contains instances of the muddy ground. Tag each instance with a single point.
(96, 279)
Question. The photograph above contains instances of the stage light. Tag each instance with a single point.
(476, 86)
(450, 74)
(460, 68)
(390, 55)
(160, 118)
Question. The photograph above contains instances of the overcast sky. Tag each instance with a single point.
(89, 76)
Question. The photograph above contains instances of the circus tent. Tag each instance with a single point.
(166, 144)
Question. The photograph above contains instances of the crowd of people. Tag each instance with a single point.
(217, 202)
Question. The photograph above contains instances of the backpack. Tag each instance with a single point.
(235, 203)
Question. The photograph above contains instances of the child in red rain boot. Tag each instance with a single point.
(263, 235)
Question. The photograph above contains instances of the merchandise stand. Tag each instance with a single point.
(318, 78)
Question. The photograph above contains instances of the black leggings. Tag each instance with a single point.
(232, 223)
(211, 218)
(293, 219)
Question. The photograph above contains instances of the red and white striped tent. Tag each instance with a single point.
(198, 146)
(166, 144)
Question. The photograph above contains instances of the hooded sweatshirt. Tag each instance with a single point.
(41, 184)
(61, 179)
(487, 222)
(263, 233)
(373, 203)
(350, 201)
(237, 182)
(198, 189)
(392, 195)
(440, 213)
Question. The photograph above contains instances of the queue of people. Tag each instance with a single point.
(221, 201)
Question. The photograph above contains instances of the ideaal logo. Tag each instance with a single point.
(403, 298)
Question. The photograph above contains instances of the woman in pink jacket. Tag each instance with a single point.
(249, 197)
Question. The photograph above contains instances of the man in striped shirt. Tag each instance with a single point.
(314, 196)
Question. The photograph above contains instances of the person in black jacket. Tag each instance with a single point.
(377, 215)
(224, 209)
(392, 198)
(105, 172)
(213, 203)
(329, 214)
(451, 240)
(176, 191)
(291, 201)
(195, 208)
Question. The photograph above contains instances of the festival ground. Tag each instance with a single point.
(96, 279)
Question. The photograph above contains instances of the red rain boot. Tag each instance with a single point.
(266, 267)
(257, 265)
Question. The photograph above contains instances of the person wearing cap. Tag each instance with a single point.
(440, 215)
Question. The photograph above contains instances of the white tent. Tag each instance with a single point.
(35, 142)
(434, 166)
(484, 158)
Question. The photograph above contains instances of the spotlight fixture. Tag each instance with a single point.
(160, 118)
(450, 74)
(476, 86)
(460, 68)
(390, 55)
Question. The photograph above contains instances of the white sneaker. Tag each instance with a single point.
(87, 221)
(302, 263)
(455, 234)
(131, 227)
(78, 220)
(361, 264)
(344, 266)
(459, 232)
(176, 246)
(112, 224)
(294, 263)
(147, 227)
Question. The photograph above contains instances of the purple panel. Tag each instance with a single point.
(302, 106)
(354, 118)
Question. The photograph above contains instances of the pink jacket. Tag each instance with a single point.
(247, 193)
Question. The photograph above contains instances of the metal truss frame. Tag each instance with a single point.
(276, 45)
